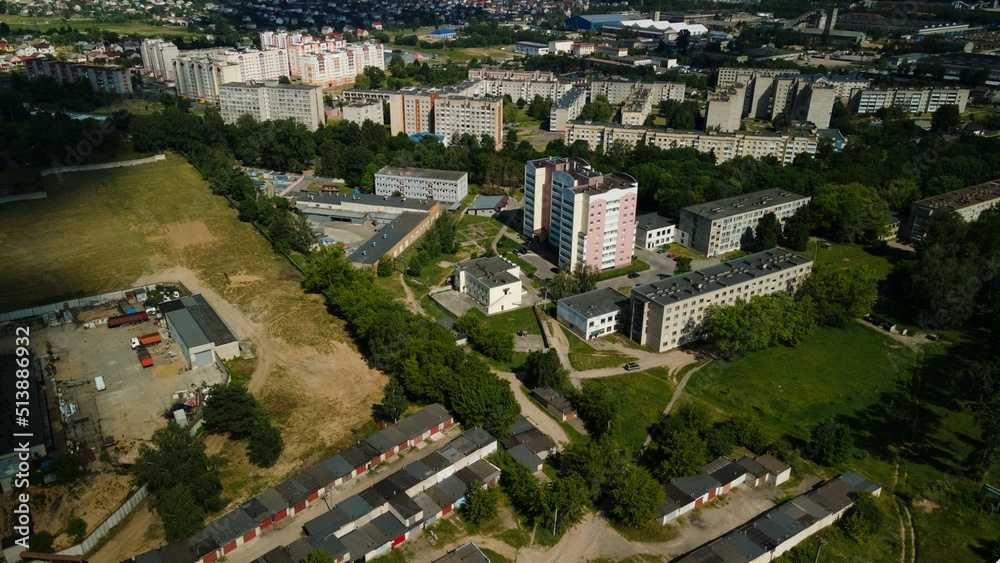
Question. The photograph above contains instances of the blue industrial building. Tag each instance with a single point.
(594, 22)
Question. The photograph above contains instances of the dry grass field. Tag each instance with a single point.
(113, 229)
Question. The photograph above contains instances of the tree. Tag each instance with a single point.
(394, 401)
(765, 320)
(481, 504)
(510, 113)
(76, 529)
(985, 379)
(682, 265)
(562, 503)
(597, 409)
(831, 442)
(683, 453)
(851, 212)
(182, 516)
(231, 409)
(265, 444)
(635, 497)
(597, 109)
(946, 118)
(540, 108)
(318, 556)
(582, 279)
(284, 80)
(747, 431)
(865, 519)
(765, 236)
(797, 229)
(384, 266)
(543, 369)
(840, 295)
(41, 542)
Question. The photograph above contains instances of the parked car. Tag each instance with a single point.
(661, 250)
(631, 366)
(633, 275)
(672, 255)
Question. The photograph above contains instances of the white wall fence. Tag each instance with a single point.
(102, 530)
(102, 165)
(80, 303)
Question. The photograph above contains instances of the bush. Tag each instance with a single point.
(865, 519)
(76, 529)
(481, 505)
(265, 444)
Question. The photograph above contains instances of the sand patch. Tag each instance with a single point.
(189, 234)
(240, 280)
(927, 506)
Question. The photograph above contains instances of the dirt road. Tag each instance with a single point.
(542, 420)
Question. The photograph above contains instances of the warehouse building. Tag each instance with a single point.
(494, 283)
(721, 226)
(422, 183)
(969, 202)
(199, 331)
(668, 313)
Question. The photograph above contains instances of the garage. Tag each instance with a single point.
(202, 358)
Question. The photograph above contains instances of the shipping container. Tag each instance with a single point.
(125, 307)
(132, 319)
(149, 339)
(144, 358)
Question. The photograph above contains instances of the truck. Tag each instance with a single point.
(122, 320)
(150, 339)
(144, 358)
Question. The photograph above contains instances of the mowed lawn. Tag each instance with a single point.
(641, 397)
(125, 28)
(100, 231)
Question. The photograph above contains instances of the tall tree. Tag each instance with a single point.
(831, 442)
(765, 236)
(840, 295)
(481, 504)
(635, 497)
(265, 444)
(851, 212)
(683, 453)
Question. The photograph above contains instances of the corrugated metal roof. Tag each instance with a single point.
(197, 322)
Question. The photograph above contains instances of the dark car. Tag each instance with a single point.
(633, 275)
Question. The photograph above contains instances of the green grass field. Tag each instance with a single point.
(853, 256)
(583, 356)
(127, 28)
(641, 397)
(512, 321)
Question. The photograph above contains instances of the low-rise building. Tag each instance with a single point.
(199, 331)
(969, 202)
(592, 314)
(422, 183)
(267, 102)
(365, 110)
(487, 205)
(493, 282)
(723, 225)
(653, 230)
(554, 402)
(668, 313)
(531, 48)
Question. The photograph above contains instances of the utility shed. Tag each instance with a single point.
(199, 331)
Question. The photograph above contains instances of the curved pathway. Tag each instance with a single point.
(542, 419)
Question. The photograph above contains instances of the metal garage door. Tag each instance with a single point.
(202, 358)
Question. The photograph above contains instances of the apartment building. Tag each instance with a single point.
(729, 76)
(460, 115)
(566, 108)
(493, 282)
(668, 313)
(589, 217)
(267, 102)
(910, 100)
(338, 67)
(725, 146)
(105, 79)
(487, 73)
(365, 110)
(637, 107)
(618, 91)
(721, 226)
(200, 74)
(969, 202)
(422, 183)
(724, 111)
(525, 89)
(158, 59)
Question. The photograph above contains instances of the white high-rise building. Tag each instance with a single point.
(199, 74)
(269, 102)
(460, 115)
(158, 58)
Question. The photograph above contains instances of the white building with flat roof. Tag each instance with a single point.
(494, 283)
(592, 314)
(360, 111)
(267, 102)
(422, 183)
(653, 230)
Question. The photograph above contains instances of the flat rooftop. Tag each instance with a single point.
(389, 236)
(197, 321)
(653, 221)
(423, 173)
(737, 205)
(614, 181)
(493, 271)
(727, 274)
(271, 86)
(596, 303)
(371, 200)
(965, 197)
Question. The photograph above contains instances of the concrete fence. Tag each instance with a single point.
(102, 166)
(79, 303)
(23, 197)
(126, 508)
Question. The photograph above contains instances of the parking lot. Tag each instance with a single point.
(135, 399)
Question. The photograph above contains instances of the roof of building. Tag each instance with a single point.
(389, 236)
(303, 87)
(962, 198)
(230, 526)
(677, 288)
(363, 540)
(596, 303)
(696, 485)
(423, 173)
(405, 506)
(300, 549)
(653, 221)
(772, 464)
(423, 420)
(386, 439)
(492, 271)
(292, 492)
(603, 18)
(150, 557)
(338, 465)
(475, 436)
(443, 31)
(521, 424)
(525, 457)
(276, 555)
(480, 471)
(418, 470)
(196, 322)
(272, 500)
(534, 439)
(488, 202)
(468, 553)
(752, 467)
(371, 200)
(533, 44)
(726, 473)
(737, 205)
(389, 526)
(331, 545)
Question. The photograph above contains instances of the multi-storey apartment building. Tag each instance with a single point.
(637, 107)
(589, 217)
(266, 102)
(969, 202)
(107, 79)
(422, 183)
(669, 312)
(729, 76)
(158, 58)
(360, 111)
(725, 109)
(617, 91)
(460, 115)
(566, 108)
(725, 146)
(720, 226)
(486, 73)
(910, 100)
(338, 67)
(200, 74)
